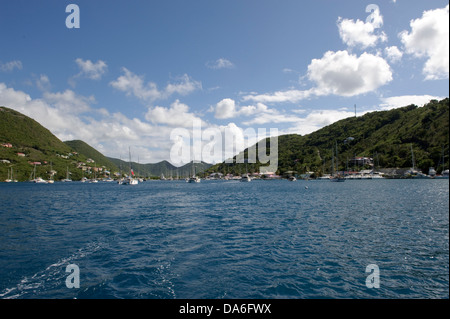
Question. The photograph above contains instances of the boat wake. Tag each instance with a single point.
(50, 282)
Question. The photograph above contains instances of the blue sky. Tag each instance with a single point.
(136, 70)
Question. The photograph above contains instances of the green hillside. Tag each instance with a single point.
(36, 144)
(32, 143)
(28, 133)
(90, 152)
(384, 136)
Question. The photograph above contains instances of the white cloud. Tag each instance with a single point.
(429, 37)
(291, 96)
(69, 102)
(88, 69)
(317, 119)
(360, 33)
(227, 109)
(271, 116)
(405, 100)
(345, 74)
(67, 115)
(133, 84)
(338, 73)
(91, 70)
(54, 118)
(43, 83)
(177, 115)
(258, 114)
(393, 54)
(220, 64)
(183, 86)
(10, 66)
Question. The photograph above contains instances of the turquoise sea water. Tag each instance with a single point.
(225, 239)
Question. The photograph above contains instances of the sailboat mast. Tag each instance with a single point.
(332, 162)
(337, 162)
(129, 155)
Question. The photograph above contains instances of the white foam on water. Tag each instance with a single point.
(51, 278)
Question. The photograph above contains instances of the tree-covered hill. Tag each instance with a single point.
(26, 144)
(90, 152)
(384, 136)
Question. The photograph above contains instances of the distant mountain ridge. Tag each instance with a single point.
(163, 168)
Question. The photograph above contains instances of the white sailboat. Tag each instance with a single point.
(194, 178)
(9, 179)
(94, 180)
(413, 172)
(130, 180)
(67, 179)
(34, 179)
(246, 178)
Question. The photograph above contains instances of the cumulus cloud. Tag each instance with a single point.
(183, 86)
(393, 54)
(258, 114)
(339, 73)
(429, 37)
(220, 64)
(69, 102)
(93, 71)
(345, 74)
(51, 111)
(227, 109)
(362, 34)
(134, 85)
(68, 116)
(177, 115)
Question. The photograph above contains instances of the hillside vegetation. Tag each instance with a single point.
(384, 136)
(31, 144)
(36, 144)
(90, 152)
